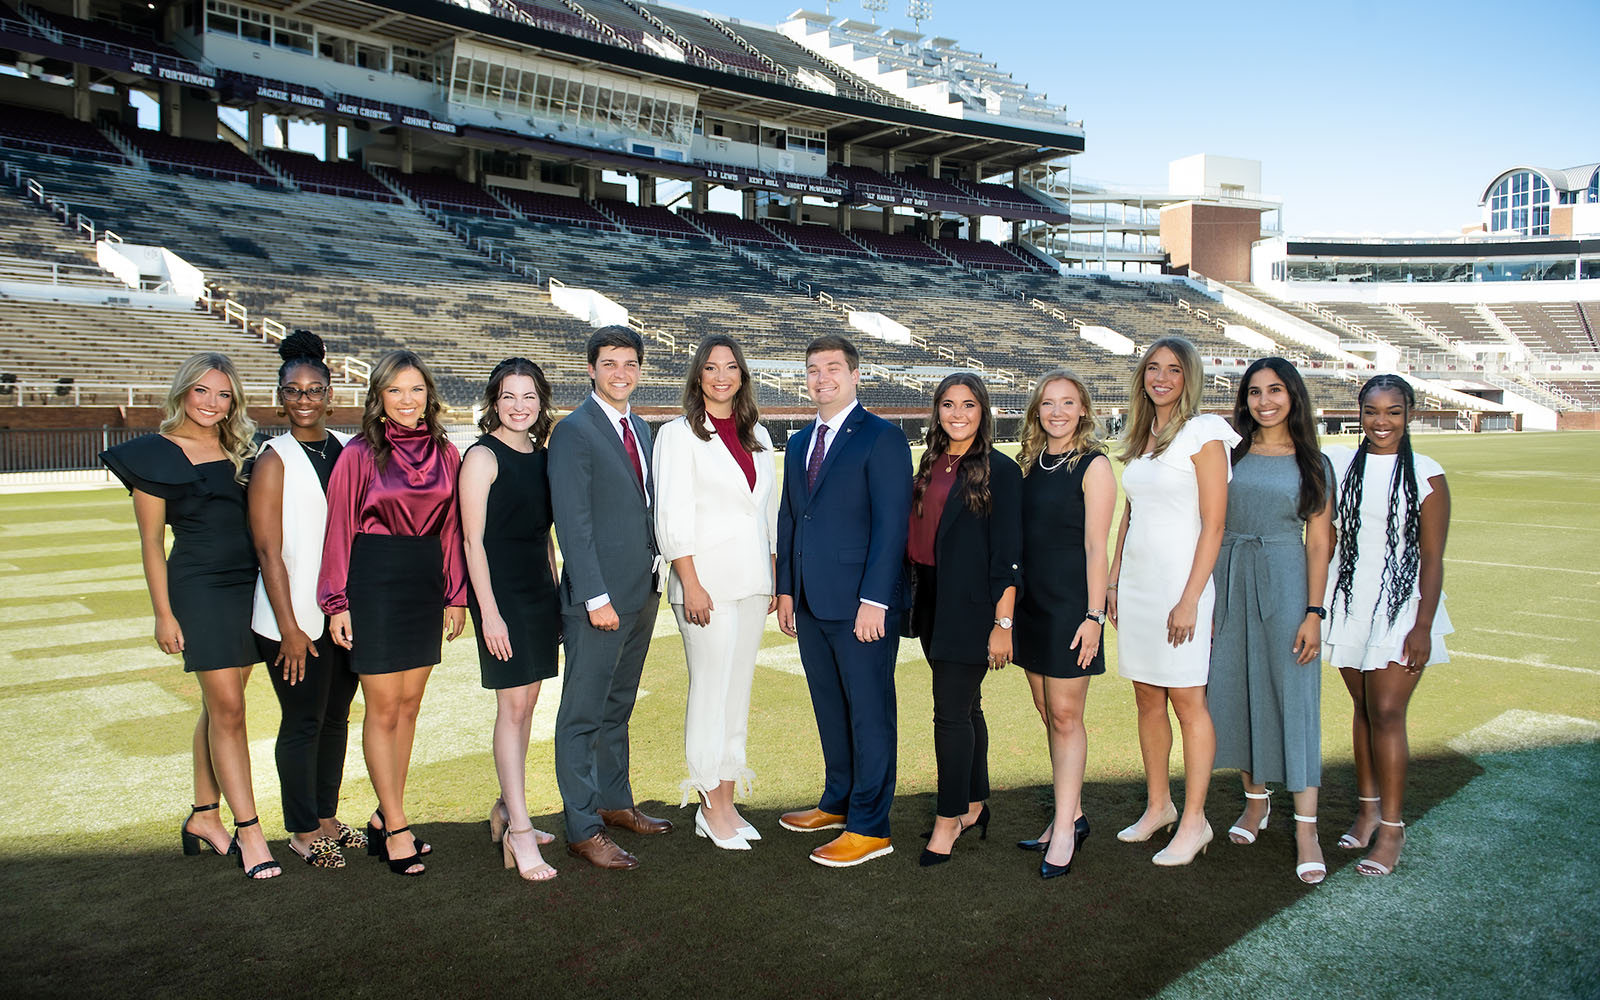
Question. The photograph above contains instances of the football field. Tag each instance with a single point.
(1496, 894)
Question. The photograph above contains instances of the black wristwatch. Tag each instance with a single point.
(1312, 609)
(1098, 617)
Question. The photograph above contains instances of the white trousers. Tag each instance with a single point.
(722, 662)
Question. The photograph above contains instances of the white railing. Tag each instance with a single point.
(71, 392)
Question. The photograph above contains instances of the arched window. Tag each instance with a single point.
(1594, 188)
(1520, 205)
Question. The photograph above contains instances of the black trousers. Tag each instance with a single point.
(960, 736)
(314, 731)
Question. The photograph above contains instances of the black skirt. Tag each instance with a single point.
(396, 595)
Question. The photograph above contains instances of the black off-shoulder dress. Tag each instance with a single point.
(211, 570)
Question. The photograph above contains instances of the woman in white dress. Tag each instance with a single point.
(1175, 476)
(1386, 617)
(717, 522)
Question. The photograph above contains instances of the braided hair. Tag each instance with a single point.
(1402, 549)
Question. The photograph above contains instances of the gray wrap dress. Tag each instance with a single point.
(1267, 708)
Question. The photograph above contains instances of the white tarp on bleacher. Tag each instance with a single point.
(880, 326)
(136, 263)
(588, 305)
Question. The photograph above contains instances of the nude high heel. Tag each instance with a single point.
(1169, 858)
(1134, 835)
(541, 872)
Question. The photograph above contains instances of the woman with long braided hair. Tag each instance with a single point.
(1386, 617)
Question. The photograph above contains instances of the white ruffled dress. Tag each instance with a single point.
(1361, 636)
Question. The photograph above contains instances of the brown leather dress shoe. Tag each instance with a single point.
(632, 819)
(810, 821)
(851, 849)
(602, 852)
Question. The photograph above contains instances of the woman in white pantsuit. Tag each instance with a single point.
(716, 521)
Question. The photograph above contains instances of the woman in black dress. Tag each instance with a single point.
(964, 546)
(192, 475)
(504, 490)
(1068, 497)
(310, 674)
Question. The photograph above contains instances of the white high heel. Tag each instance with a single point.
(1350, 843)
(1367, 866)
(1238, 834)
(1317, 868)
(748, 832)
(1168, 858)
(1134, 835)
(703, 829)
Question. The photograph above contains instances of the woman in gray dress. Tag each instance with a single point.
(1265, 686)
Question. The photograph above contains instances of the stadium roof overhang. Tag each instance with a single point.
(427, 24)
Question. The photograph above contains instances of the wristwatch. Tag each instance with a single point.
(1099, 617)
(1003, 622)
(1312, 609)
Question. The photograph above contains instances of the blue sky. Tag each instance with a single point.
(1385, 117)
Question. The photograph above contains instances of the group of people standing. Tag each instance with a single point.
(346, 561)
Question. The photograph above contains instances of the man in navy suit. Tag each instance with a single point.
(842, 527)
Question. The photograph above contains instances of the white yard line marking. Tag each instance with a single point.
(85, 589)
(1505, 565)
(56, 551)
(1522, 524)
(1532, 660)
(40, 612)
(1519, 635)
(76, 526)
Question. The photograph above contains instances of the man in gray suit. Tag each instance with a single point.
(600, 489)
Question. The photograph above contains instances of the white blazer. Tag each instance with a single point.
(305, 521)
(705, 508)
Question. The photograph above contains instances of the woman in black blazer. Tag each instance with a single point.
(964, 548)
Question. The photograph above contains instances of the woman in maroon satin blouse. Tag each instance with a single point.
(391, 561)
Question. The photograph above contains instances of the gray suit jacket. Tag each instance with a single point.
(605, 530)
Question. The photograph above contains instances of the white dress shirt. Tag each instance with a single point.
(616, 417)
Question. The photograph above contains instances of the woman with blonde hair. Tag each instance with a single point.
(192, 475)
(392, 563)
(1175, 475)
(1068, 495)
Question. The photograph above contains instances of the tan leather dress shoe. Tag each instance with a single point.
(851, 849)
(602, 852)
(632, 819)
(810, 821)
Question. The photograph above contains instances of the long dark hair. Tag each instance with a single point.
(975, 463)
(1302, 427)
(490, 421)
(384, 372)
(1402, 549)
(746, 414)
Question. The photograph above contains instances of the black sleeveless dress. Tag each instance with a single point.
(516, 539)
(1055, 575)
(211, 570)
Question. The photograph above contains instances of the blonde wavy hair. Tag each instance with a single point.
(1085, 437)
(1142, 411)
(236, 433)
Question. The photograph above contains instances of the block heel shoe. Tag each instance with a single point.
(256, 873)
(1241, 835)
(402, 866)
(192, 841)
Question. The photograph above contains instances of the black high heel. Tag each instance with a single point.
(1048, 870)
(234, 848)
(192, 841)
(375, 837)
(982, 823)
(402, 866)
(930, 858)
(1080, 833)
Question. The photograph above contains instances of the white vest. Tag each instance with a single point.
(305, 521)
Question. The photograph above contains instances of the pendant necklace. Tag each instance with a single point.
(321, 453)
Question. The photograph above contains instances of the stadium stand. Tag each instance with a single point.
(25, 128)
(308, 173)
(192, 156)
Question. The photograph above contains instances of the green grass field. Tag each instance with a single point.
(1496, 895)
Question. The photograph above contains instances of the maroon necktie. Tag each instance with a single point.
(818, 450)
(632, 449)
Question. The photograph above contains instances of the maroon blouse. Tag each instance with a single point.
(415, 495)
(925, 528)
(728, 430)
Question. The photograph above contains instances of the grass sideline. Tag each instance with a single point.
(96, 899)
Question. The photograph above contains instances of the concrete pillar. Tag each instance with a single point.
(330, 140)
(749, 199)
(888, 221)
(888, 161)
(469, 165)
(405, 151)
(171, 109)
(935, 164)
(1016, 231)
(974, 226)
(846, 152)
(699, 195)
(845, 219)
(796, 212)
(647, 190)
(255, 129)
(82, 107)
